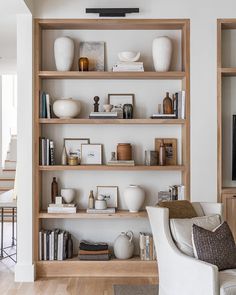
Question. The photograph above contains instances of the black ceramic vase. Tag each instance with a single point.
(128, 111)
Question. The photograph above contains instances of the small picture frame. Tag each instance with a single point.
(91, 154)
(118, 100)
(73, 146)
(164, 196)
(171, 149)
(110, 193)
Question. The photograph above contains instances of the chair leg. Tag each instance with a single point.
(1, 233)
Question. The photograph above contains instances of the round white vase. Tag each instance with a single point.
(68, 194)
(162, 52)
(64, 53)
(124, 245)
(66, 108)
(134, 197)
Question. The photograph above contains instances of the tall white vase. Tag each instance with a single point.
(64, 53)
(134, 197)
(162, 52)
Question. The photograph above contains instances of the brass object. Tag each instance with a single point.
(73, 160)
(83, 64)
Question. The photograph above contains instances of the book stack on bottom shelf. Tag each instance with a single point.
(93, 251)
(55, 245)
(147, 249)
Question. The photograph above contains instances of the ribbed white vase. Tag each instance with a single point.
(64, 53)
(162, 52)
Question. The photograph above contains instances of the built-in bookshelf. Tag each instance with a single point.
(45, 77)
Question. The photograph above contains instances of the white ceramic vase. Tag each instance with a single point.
(68, 194)
(66, 108)
(134, 197)
(124, 245)
(64, 53)
(162, 52)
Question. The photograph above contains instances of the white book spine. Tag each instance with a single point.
(183, 105)
(47, 151)
(48, 106)
(40, 245)
(50, 246)
(59, 247)
(44, 246)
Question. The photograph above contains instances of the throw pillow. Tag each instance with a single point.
(216, 247)
(181, 230)
(179, 209)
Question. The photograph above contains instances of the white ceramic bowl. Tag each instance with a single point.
(129, 56)
(68, 194)
(66, 108)
(107, 107)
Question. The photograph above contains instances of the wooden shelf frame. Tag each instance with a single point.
(133, 267)
(116, 268)
(112, 75)
(111, 168)
(81, 214)
(114, 121)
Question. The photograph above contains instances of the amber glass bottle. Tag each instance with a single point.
(54, 190)
(167, 104)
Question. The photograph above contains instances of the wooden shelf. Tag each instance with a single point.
(81, 214)
(133, 267)
(112, 168)
(112, 75)
(228, 72)
(228, 190)
(114, 121)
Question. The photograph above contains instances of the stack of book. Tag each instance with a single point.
(103, 115)
(45, 107)
(147, 250)
(177, 192)
(123, 66)
(47, 152)
(53, 244)
(121, 163)
(93, 251)
(101, 211)
(62, 208)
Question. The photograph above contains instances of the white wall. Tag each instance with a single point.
(203, 15)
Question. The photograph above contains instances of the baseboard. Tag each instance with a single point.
(24, 273)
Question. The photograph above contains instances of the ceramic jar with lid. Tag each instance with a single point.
(124, 152)
(124, 245)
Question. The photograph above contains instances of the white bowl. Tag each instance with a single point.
(68, 194)
(107, 107)
(66, 108)
(129, 56)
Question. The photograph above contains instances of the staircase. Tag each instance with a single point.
(7, 174)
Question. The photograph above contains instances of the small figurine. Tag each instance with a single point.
(96, 104)
(113, 156)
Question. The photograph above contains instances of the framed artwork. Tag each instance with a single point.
(94, 51)
(118, 100)
(171, 149)
(73, 145)
(91, 154)
(110, 193)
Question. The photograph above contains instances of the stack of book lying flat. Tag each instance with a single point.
(93, 251)
(53, 244)
(147, 250)
(101, 211)
(62, 208)
(121, 163)
(123, 66)
(103, 115)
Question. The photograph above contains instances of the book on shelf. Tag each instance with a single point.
(103, 115)
(45, 106)
(128, 67)
(175, 192)
(47, 152)
(53, 244)
(57, 209)
(62, 205)
(101, 211)
(163, 116)
(121, 163)
(147, 249)
(179, 104)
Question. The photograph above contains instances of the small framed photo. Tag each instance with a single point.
(164, 196)
(110, 193)
(73, 146)
(118, 100)
(91, 154)
(171, 149)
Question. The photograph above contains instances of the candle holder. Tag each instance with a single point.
(83, 64)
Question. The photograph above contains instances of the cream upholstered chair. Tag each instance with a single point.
(180, 274)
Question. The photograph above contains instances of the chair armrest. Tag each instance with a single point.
(197, 277)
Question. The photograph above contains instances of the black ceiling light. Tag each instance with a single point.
(112, 12)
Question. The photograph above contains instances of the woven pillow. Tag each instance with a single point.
(216, 247)
(179, 209)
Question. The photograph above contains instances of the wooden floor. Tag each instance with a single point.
(62, 286)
